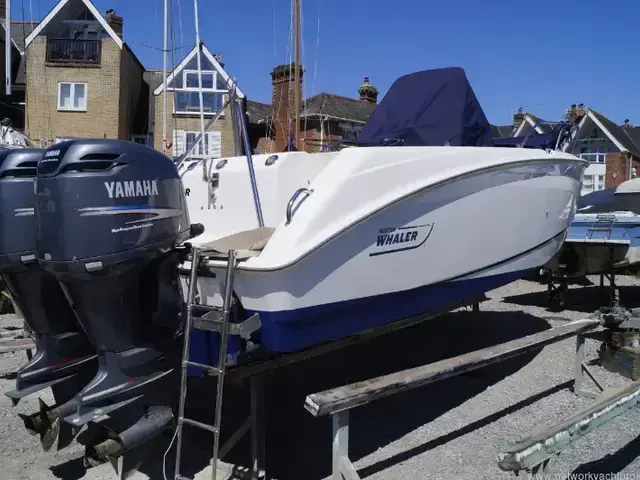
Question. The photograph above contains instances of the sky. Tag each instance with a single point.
(541, 56)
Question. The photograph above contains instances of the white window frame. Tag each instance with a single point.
(184, 88)
(197, 112)
(213, 73)
(180, 144)
(73, 87)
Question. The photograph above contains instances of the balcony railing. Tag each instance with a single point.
(62, 50)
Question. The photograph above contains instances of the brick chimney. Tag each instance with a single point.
(282, 102)
(575, 113)
(114, 21)
(518, 117)
(368, 93)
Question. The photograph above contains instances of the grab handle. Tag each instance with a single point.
(290, 206)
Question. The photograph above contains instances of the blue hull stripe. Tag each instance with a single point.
(292, 330)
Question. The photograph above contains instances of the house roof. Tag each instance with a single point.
(257, 111)
(329, 105)
(338, 107)
(634, 134)
(58, 8)
(620, 136)
(532, 122)
(501, 131)
(209, 56)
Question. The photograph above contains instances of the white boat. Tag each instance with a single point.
(355, 239)
(381, 233)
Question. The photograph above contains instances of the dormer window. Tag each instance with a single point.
(186, 91)
(187, 96)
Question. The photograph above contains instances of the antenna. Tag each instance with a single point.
(7, 48)
(164, 80)
(296, 71)
(198, 58)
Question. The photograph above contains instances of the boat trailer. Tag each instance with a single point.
(533, 454)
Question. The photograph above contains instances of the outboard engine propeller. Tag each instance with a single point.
(112, 215)
(64, 359)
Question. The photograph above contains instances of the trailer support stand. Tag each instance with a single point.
(254, 424)
(342, 468)
(581, 368)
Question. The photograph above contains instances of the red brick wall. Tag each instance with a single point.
(617, 168)
(282, 104)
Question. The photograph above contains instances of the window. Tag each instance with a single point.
(191, 79)
(592, 183)
(72, 96)
(189, 102)
(211, 148)
(594, 154)
(187, 93)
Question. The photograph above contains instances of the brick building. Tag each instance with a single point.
(324, 117)
(13, 106)
(613, 150)
(82, 79)
(183, 107)
(75, 76)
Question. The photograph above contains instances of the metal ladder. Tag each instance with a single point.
(215, 319)
(603, 223)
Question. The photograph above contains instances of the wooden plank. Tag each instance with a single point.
(551, 440)
(16, 345)
(356, 394)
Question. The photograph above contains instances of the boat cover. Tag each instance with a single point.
(607, 201)
(428, 108)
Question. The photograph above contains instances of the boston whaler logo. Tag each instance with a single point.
(132, 188)
(399, 239)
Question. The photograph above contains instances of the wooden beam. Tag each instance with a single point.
(549, 441)
(356, 394)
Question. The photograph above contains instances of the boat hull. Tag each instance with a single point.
(424, 253)
(600, 243)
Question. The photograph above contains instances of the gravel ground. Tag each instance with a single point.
(453, 429)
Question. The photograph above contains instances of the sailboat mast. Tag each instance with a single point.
(203, 139)
(296, 74)
(7, 48)
(164, 77)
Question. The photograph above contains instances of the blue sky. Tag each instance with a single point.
(541, 55)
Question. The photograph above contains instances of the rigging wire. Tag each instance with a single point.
(182, 54)
(289, 56)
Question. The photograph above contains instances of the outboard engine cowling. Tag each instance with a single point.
(111, 218)
(64, 359)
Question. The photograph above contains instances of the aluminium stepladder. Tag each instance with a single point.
(215, 319)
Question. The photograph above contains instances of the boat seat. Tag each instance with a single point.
(248, 243)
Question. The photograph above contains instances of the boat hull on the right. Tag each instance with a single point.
(604, 236)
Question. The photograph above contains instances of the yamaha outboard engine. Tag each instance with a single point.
(64, 359)
(111, 216)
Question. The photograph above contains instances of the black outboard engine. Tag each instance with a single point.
(64, 359)
(111, 216)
